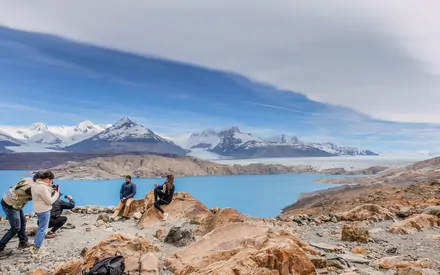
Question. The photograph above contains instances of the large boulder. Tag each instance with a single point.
(132, 248)
(370, 212)
(184, 206)
(180, 235)
(414, 224)
(222, 217)
(136, 206)
(244, 248)
(352, 233)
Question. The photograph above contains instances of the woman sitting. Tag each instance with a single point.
(163, 194)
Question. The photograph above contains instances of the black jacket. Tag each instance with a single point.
(167, 196)
(58, 206)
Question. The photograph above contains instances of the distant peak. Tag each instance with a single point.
(233, 129)
(207, 132)
(39, 126)
(124, 121)
(85, 126)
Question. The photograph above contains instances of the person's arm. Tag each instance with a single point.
(46, 196)
(67, 205)
(133, 191)
(29, 193)
(121, 192)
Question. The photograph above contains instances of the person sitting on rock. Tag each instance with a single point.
(163, 194)
(56, 220)
(127, 193)
(13, 203)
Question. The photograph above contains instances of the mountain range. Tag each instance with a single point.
(126, 136)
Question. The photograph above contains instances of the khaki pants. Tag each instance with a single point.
(121, 205)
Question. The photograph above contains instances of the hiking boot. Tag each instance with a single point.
(165, 216)
(24, 245)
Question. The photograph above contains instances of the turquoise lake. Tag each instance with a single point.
(257, 195)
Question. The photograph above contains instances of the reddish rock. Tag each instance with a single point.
(414, 224)
(243, 248)
(371, 212)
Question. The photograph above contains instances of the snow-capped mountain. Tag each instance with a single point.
(41, 137)
(8, 141)
(234, 143)
(342, 151)
(127, 136)
(206, 139)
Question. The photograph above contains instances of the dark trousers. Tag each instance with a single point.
(56, 223)
(158, 194)
(17, 221)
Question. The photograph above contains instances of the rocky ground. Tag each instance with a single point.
(366, 239)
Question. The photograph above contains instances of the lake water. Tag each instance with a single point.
(257, 195)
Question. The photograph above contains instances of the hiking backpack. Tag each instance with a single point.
(109, 266)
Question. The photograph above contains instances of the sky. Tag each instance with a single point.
(358, 72)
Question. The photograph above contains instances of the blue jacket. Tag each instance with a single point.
(128, 190)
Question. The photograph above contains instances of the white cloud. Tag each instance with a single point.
(378, 57)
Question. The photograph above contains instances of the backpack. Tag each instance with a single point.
(17, 196)
(109, 266)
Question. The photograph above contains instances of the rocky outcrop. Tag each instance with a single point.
(133, 249)
(243, 248)
(401, 200)
(418, 172)
(184, 206)
(414, 224)
(369, 212)
(159, 166)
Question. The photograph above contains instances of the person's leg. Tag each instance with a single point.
(118, 209)
(157, 194)
(158, 204)
(127, 207)
(13, 217)
(57, 223)
(43, 219)
(22, 232)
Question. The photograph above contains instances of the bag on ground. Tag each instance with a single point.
(109, 266)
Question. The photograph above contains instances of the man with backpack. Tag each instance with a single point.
(13, 203)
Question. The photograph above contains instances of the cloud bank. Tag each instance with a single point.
(377, 57)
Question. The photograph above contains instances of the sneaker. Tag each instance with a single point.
(24, 245)
(165, 216)
(50, 235)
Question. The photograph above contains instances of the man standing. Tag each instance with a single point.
(56, 220)
(126, 194)
(13, 203)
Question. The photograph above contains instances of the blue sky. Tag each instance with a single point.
(57, 81)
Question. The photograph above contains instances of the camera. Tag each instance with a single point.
(55, 186)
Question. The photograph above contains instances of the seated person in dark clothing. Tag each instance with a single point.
(126, 194)
(56, 220)
(163, 194)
